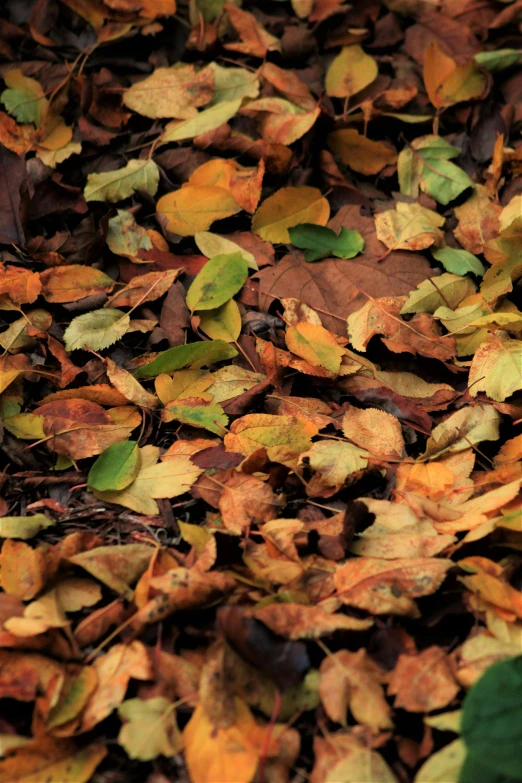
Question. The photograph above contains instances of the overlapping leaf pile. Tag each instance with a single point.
(260, 385)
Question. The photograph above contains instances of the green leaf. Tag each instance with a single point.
(435, 292)
(223, 323)
(459, 262)
(474, 771)
(116, 185)
(498, 60)
(24, 98)
(320, 241)
(426, 165)
(232, 84)
(23, 527)
(197, 413)
(116, 467)
(206, 120)
(218, 281)
(96, 330)
(492, 721)
(193, 355)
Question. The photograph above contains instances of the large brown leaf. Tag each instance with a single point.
(338, 286)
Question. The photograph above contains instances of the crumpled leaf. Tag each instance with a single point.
(409, 226)
(333, 461)
(283, 437)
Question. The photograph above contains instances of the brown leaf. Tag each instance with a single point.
(12, 176)
(336, 286)
(423, 682)
(353, 681)
(247, 499)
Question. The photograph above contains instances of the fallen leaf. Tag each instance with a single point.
(69, 283)
(377, 431)
(218, 281)
(117, 185)
(360, 153)
(62, 759)
(427, 165)
(195, 208)
(171, 92)
(352, 681)
(150, 729)
(243, 183)
(350, 72)
(423, 682)
(289, 207)
(383, 587)
(409, 226)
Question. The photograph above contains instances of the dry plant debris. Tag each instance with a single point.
(260, 390)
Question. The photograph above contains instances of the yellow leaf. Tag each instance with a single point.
(194, 209)
(351, 71)
(316, 345)
(171, 92)
(223, 323)
(444, 766)
(229, 753)
(206, 120)
(409, 227)
(150, 730)
(286, 208)
(283, 437)
(333, 461)
(243, 183)
(447, 82)
(162, 480)
(61, 761)
(496, 368)
(127, 385)
(360, 153)
(215, 245)
(185, 383)
(378, 432)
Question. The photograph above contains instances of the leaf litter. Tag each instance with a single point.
(260, 390)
